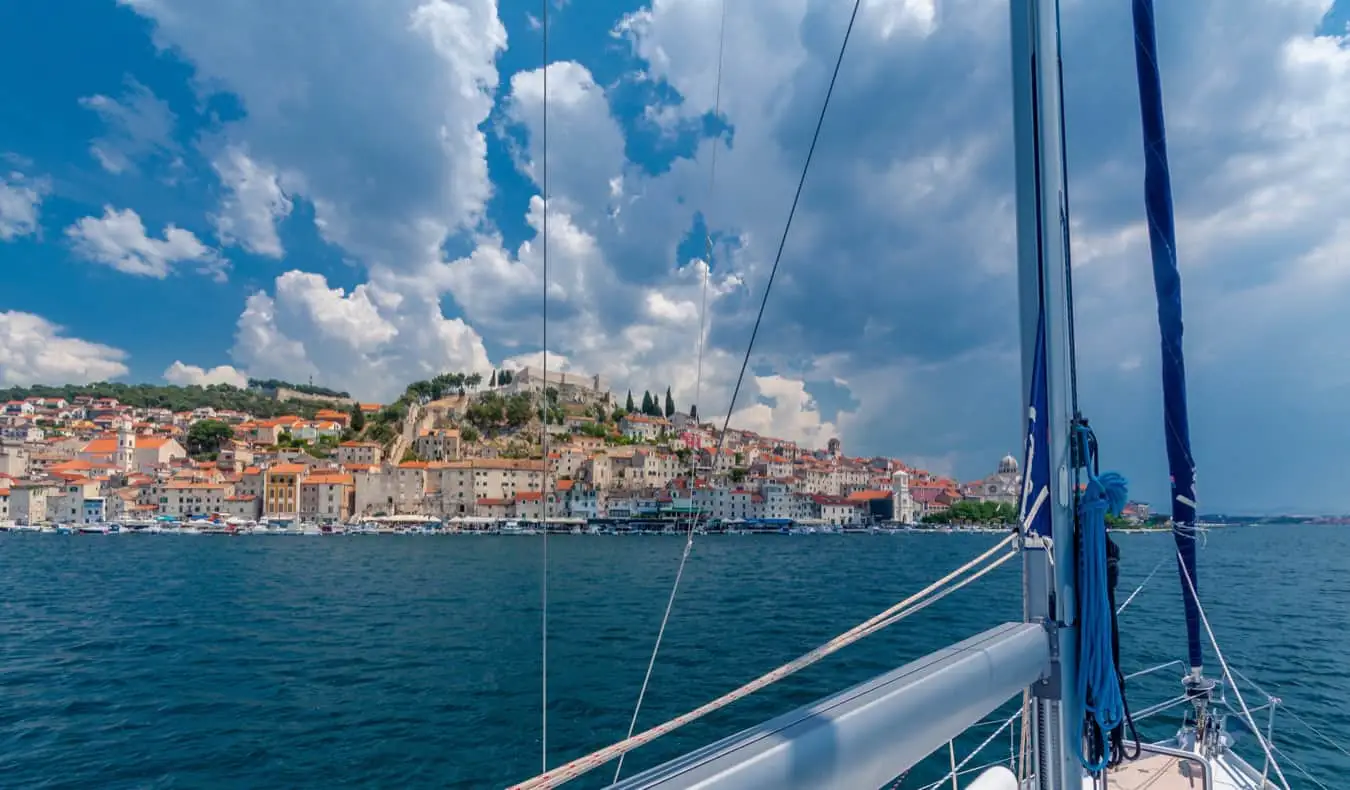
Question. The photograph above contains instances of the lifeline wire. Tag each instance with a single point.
(914, 603)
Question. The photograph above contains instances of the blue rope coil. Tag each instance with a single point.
(1099, 692)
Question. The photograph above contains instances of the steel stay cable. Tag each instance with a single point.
(1228, 675)
(543, 422)
(754, 332)
(698, 394)
(914, 603)
(1146, 580)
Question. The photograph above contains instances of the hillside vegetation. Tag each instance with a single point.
(172, 397)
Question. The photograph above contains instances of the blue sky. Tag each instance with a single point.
(202, 192)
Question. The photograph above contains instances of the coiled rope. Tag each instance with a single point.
(914, 603)
(1099, 693)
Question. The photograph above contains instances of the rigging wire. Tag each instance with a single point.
(543, 423)
(698, 393)
(1146, 580)
(1299, 767)
(1327, 739)
(754, 332)
(917, 602)
(1228, 675)
(956, 767)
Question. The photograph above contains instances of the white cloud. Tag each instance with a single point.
(118, 239)
(373, 114)
(792, 415)
(557, 363)
(899, 267)
(189, 375)
(20, 200)
(372, 341)
(253, 204)
(139, 126)
(35, 351)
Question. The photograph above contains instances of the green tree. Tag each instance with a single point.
(1120, 522)
(493, 381)
(206, 436)
(969, 511)
(647, 403)
(518, 409)
(670, 405)
(409, 455)
(469, 434)
(594, 429)
(628, 407)
(473, 380)
(380, 432)
(308, 389)
(394, 412)
(358, 418)
(693, 412)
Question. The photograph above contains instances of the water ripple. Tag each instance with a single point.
(136, 662)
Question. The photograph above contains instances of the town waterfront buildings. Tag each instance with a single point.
(95, 459)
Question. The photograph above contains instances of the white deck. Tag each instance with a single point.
(1165, 772)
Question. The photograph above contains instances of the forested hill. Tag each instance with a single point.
(175, 398)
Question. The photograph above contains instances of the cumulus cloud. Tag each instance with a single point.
(20, 201)
(191, 375)
(253, 204)
(898, 274)
(119, 239)
(35, 351)
(790, 414)
(376, 110)
(372, 341)
(139, 126)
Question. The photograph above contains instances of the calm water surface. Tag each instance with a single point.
(202, 662)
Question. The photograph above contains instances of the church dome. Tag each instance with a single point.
(1008, 466)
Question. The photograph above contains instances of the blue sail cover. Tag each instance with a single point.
(1167, 284)
(1035, 511)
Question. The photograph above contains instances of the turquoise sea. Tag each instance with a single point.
(287, 662)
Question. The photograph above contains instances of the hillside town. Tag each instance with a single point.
(452, 452)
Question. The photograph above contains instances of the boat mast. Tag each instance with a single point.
(1167, 285)
(1047, 376)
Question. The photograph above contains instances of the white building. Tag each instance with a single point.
(67, 505)
(437, 444)
(1005, 485)
(904, 501)
(360, 453)
(28, 501)
(640, 427)
(778, 501)
(572, 387)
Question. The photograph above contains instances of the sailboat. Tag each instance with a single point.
(1061, 660)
